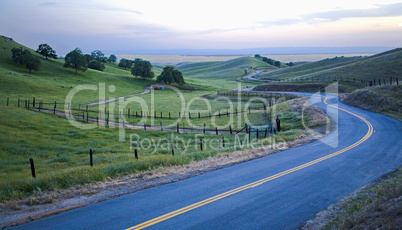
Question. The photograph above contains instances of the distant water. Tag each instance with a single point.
(176, 59)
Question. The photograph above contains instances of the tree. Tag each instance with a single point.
(88, 58)
(98, 55)
(18, 54)
(125, 63)
(112, 58)
(170, 75)
(290, 64)
(277, 63)
(142, 69)
(31, 62)
(75, 60)
(257, 56)
(47, 51)
(97, 65)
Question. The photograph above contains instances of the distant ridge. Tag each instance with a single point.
(268, 50)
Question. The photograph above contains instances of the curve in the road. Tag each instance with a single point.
(361, 155)
(259, 182)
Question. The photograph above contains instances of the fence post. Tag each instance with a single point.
(230, 129)
(169, 115)
(216, 129)
(201, 144)
(31, 161)
(136, 154)
(178, 127)
(18, 102)
(161, 126)
(223, 142)
(204, 129)
(33, 102)
(397, 82)
(54, 109)
(199, 115)
(278, 124)
(257, 134)
(172, 149)
(90, 158)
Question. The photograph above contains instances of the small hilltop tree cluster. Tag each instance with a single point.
(138, 67)
(269, 60)
(170, 75)
(24, 56)
(142, 68)
(79, 61)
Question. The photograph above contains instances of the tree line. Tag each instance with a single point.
(80, 62)
(272, 61)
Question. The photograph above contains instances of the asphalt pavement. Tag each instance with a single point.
(279, 191)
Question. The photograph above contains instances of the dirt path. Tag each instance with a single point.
(252, 76)
(146, 90)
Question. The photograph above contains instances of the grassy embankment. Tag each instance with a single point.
(376, 206)
(61, 151)
(349, 72)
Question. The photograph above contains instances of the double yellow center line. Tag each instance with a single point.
(259, 182)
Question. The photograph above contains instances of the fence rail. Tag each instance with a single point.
(113, 119)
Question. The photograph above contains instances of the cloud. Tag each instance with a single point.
(390, 10)
(88, 6)
(148, 30)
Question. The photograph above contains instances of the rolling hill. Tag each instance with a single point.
(226, 69)
(384, 65)
(53, 82)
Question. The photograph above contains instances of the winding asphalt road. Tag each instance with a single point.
(280, 191)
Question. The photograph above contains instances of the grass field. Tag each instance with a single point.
(380, 99)
(61, 151)
(380, 66)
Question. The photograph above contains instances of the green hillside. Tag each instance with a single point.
(308, 68)
(53, 82)
(226, 69)
(225, 74)
(384, 65)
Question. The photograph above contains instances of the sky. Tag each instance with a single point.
(194, 24)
